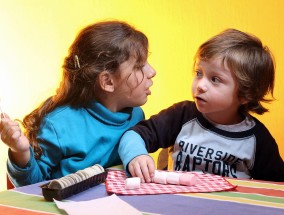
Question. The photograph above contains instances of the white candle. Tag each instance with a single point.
(188, 179)
(160, 177)
(132, 183)
(173, 178)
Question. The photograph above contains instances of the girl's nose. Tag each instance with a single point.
(149, 70)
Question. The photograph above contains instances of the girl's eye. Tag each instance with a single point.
(139, 67)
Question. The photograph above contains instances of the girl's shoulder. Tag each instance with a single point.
(62, 111)
(64, 114)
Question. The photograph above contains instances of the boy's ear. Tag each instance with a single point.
(243, 101)
(106, 81)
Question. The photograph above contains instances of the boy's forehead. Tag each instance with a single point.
(222, 58)
(217, 62)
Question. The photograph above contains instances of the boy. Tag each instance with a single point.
(215, 133)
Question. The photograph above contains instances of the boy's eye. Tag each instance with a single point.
(215, 80)
(198, 73)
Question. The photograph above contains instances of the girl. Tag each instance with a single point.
(106, 77)
(215, 133)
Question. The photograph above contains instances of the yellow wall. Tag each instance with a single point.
(35, 36)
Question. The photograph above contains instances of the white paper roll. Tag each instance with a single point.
(132, 183)
(179, 178)
(173, 178)
(160, 177)
(188, 179)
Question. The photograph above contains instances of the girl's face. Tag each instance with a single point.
(133, 84)
(215, 92)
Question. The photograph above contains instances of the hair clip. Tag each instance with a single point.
(77, 63)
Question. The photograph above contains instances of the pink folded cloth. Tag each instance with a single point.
(116, 179)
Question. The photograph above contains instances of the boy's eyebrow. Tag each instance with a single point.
(197, 65)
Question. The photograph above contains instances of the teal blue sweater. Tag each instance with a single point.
(73, 139)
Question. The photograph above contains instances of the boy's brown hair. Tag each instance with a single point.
(250, 61)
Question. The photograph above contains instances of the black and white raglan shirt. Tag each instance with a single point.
(199, 145)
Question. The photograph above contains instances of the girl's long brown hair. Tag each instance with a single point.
(99, 47)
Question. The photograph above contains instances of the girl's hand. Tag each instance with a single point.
(142, 166)
(12, 135)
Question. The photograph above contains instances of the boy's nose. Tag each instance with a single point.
(201, 88)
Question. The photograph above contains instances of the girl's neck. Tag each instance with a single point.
(109, 102)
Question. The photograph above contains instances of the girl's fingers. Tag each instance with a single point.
(10, 132)
(2, 116)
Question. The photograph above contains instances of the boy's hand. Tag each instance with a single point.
(142, 166)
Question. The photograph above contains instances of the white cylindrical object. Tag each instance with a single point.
(132, 183)
(173, 178)
(188, 179)
(160, 177)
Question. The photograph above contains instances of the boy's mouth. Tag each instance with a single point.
(198, 98)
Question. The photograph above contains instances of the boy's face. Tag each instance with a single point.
(215, 92)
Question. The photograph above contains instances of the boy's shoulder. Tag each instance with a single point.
(183, 110)
(258, 124)
(185, 105)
